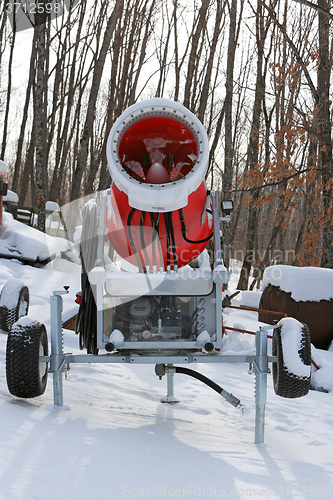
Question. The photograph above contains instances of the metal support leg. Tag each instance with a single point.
(57, 358)
(170, 370)
(170, 383)
(261, 370)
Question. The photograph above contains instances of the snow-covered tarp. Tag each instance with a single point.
(24, 242)
(304, 283)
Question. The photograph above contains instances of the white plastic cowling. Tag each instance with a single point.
(158, 131)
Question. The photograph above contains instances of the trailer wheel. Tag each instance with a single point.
(292, 371)
(14, 303)
(26, 375)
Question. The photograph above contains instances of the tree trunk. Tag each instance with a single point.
(193, 58)
(253, 153)
(40, 117)
(87, 130)
(9, 89)
(228, 128)
(325, 142)
(66, 134)
(28, 171)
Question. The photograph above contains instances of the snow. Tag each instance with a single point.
(2, 167)
(19, 240)
(322, 380)
(203, 260)
(246, 298)
(203, 338)
(24, 321)
(90, 204)
(114, 438)
(52, 205)
(11, 196)
(10, 293)
(290, 336)
(116, 337)
(304, 283)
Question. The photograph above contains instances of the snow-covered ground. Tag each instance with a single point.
(114, 439)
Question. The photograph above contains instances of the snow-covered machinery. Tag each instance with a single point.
(141, 301)
(157, 217)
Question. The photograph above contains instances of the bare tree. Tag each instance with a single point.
(324, 119)
(9, 87)
(98, 70)
(199, 25)
(228, 129)
(40, 114)
(253, 148)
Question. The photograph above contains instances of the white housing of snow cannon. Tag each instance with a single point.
(158, 154)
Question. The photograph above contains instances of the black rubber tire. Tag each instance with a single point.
(287, 384)
(19, 294)
(26, 376)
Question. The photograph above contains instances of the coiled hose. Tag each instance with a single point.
(86, 324)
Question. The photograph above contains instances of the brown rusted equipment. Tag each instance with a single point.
(273, 313)
(318, 316)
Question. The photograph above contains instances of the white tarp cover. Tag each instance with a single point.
(304, 283)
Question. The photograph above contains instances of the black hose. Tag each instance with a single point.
(174, 249)
(158, 240)
(171, 247)
(199, 376)
(167, 240)
(194, 318)
(86, 325)
(142, 240)
(161, 369)
(130, 239)
(230, 398)
(153, 239)
(194, 242)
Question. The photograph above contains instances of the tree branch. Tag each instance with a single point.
(276, 183)
(316, 7)
(294, 48)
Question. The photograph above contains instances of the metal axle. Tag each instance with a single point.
(58, 360)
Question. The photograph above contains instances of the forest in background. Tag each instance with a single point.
(256, 73)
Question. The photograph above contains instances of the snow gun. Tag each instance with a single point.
(158, 156)
(140, 302)
(158, 217)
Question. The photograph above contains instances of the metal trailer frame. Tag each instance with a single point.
(59, 361)
(172, 284)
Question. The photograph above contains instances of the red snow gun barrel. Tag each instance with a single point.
(158, 157)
